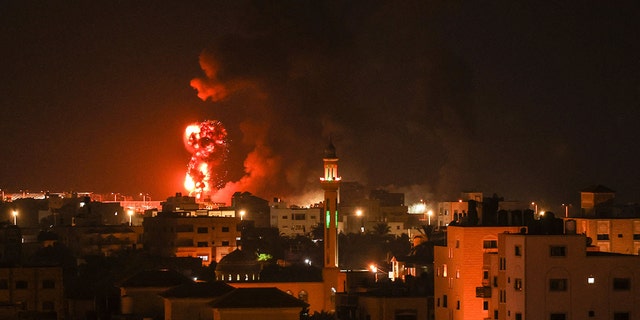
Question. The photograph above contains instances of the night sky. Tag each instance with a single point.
(530, 101)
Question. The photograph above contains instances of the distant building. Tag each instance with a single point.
(257, 303)
(254, 208)
(191, 300)
(174, 234)
(10, 244)
(447, 212)
(101, 240)
(619, 235)
(294, 221)
(32, 293)
(140, 294)
(597, 201)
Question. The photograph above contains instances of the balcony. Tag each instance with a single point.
(483, 292)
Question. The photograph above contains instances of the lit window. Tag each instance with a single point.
(591, 280)
(517, 284)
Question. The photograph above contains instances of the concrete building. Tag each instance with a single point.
(191, 300)
(294, 221)
(459, 268)
(555, 277)
(31, 293)
(619, 235)
(596, 201)
(175, 234)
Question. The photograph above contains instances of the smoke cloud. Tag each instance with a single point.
(373, 77)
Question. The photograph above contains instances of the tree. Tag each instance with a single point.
(381, 229)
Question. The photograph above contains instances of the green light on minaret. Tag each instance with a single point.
(328, 219)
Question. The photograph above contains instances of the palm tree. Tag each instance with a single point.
(381, 229)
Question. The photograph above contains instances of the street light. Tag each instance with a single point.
(429, 213)
(359, 214)
(130, 213)
(242, 213)
(15, 217)
(535, 205)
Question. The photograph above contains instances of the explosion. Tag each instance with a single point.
(207, 143)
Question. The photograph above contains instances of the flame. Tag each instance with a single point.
(207, 142)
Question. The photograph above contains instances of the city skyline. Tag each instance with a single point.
(531, 102)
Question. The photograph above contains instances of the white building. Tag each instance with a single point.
(294, 221)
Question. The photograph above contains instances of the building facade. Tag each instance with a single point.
(172, 234)
(31, 293)
(555, 277)
(458, 270)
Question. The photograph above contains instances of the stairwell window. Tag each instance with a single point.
(558, 284)
(558, 251)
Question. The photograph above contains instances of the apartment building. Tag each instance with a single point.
(555, 277)
(459, 269)
(176, 234)
(620, 235)
(31, 293)
(294, 221)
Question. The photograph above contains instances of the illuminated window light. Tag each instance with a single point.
(591, 280)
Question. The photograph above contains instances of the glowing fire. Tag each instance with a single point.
(207, 143)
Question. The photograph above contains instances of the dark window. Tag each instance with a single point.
(603, 236)
(518, 316)
(495, 281)
(558, 251)
(202, 243)
(621, 284)
(225, 229)
(485, 305)
(458, 305)
(636, 236)
(438, 304)
(621, 316)
(485, 274)
(203, 230)
(490, 244)
(495, 314)
(225, 243)
(4, 284)
(518, 251)
(444, 301)
(48, 284)
(21, 284)
(619, 235)
(558, 316)
(298, 216)
(592, 314)
(558, 285)
(48, 305)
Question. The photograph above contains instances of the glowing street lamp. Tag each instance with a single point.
(15, 217)
(535, 205)
(430, 213)
(130, 213)
(242, 213)
(359, 214)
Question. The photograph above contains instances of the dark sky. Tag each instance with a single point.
(527, 100)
